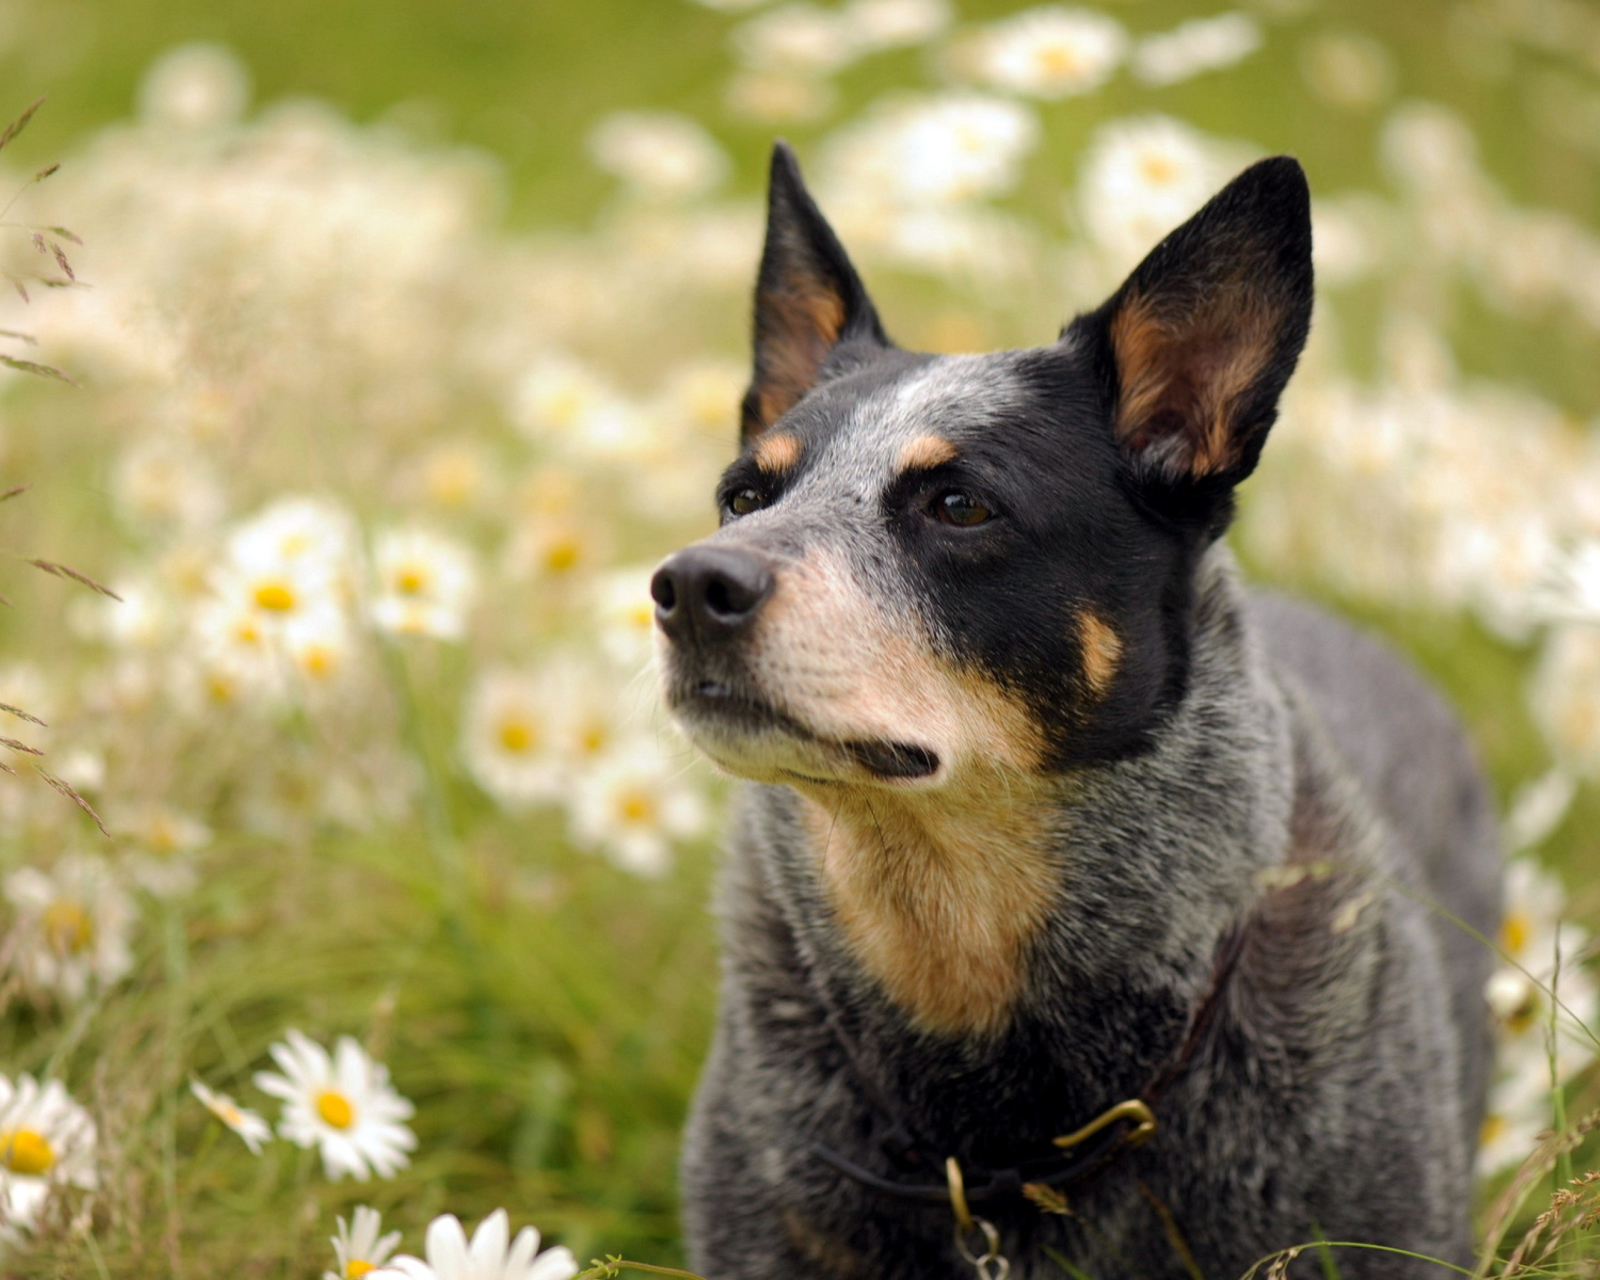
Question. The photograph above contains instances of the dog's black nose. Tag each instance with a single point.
(707, 593)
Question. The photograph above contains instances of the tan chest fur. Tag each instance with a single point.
(939, 901)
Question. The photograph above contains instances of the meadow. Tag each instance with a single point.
(359, 365)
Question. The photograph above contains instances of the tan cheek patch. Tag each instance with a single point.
(776, 454)
(925, 453)
(1102, 651)
(849, 669)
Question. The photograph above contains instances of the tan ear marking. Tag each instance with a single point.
(1187, 373)
(925, 453)
(778, 453)
(1102, 651)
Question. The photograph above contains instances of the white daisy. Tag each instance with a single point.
(46, 1141)
(195, 86)
(251, 1128)
(510, 740)
(164, 482)
(1141, 178)
(1196, 46)
(930, 150)
(343, 1105)
(163, 844)
(633, 803)
(1051, 52)
(359, 1247)
(491, 1255)
(72, 926)
(658, 155)
(626, 617)
(425, 583)
(892, 24)
(801, 37)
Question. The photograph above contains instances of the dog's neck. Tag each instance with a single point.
(946, 902)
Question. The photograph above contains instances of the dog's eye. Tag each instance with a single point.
(960, 509)
(743, 502)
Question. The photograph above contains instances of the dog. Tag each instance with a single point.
(1085, 912)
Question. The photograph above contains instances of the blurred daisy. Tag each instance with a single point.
(72, 926)
(799, 37)
(1051, 52)
(1565, 696)
(359, 1247)
(890, 24)
(658, 155)
(306, 539)
(163, 482)
(195, 86)
(454, 475)
(46, 1141)
(343, 1105)
(778, 97)
(938, 150)
(425, 584)
(1202, 44)
(163, 843)
(1141, 178)
(511, 740)
(250, 1127)
(626, 617)
(563, 402)
(553, 547)
(491, 1254)
(633, 803)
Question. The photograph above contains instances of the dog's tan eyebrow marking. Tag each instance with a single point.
(925, 453)
(1102, 651)
(778, 453)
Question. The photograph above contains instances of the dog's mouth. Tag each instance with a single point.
(749, 735)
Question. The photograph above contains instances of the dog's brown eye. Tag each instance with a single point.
(960, 509)
(744, 502)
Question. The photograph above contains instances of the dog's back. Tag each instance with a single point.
(1422, 776)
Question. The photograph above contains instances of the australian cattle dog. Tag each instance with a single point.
(1086, 913)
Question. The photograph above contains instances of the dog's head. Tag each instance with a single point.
(930, 565)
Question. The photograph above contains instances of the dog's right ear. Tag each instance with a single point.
(809, 300)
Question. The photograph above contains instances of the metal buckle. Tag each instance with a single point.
(1132, 1109)
(991, 1264)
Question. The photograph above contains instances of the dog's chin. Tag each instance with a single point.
(750, 738)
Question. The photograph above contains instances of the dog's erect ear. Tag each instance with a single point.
(809, 300)
(1197, 344)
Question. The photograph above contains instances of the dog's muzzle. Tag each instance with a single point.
(708, 595)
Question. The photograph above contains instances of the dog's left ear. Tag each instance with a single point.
(809, 300)
(1196, 346)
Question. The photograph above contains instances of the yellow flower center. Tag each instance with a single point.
(637, 808)
(356, 1267)
(1158, 170)
(593, 739)
(562, 555)
(1524, 1016)
(1060, 60)
(26, 1152)
(1514, 932)
(247, 632)
(317, 659)
(411, 581)
(1492, 1128)
(67, 928)
(517, 736)
(335, 1109)
(276, 596)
